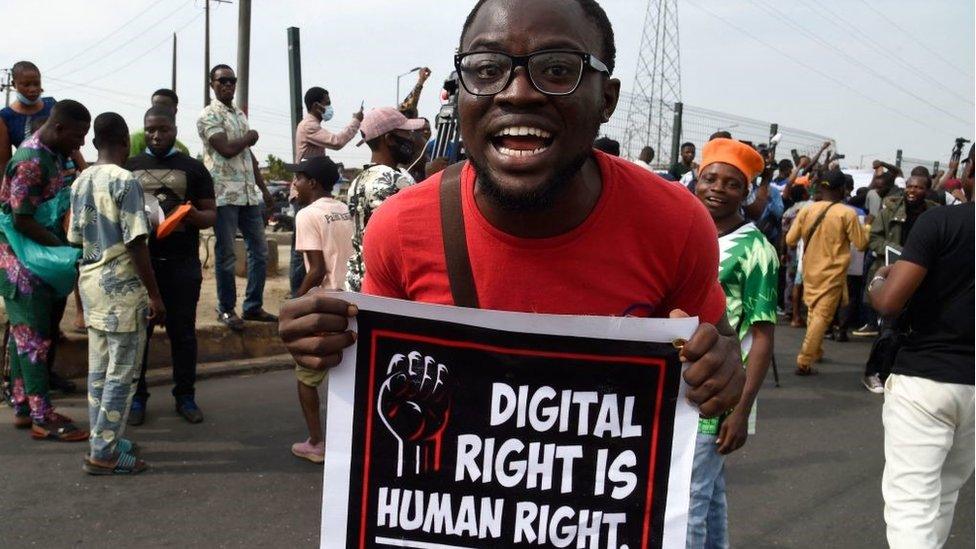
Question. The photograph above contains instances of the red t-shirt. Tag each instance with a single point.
(648, 247)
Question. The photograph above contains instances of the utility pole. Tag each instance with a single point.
(172, 85)
(7, 84)
(243, 52)
(206, 49)
(206, 53)
(295, 81)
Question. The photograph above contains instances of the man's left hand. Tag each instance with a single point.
(733, 433)
(715, 375)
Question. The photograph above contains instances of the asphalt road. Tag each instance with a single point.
(811, 477)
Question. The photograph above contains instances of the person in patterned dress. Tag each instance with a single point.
(35, 177)
(390, 137)
(748, 271)
(118, 289)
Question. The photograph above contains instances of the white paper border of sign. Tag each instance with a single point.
(341, 381)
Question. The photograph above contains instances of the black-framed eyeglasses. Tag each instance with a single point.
(552, 72)
(224, 80)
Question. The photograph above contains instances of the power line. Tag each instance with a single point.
(138, 35)
(783, 17)
(105, 38)
(143, 53)
(916, 40)
(864, 38)
(811, 68)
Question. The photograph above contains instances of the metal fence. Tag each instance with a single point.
(696, 124)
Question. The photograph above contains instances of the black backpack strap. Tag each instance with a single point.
(455, 244)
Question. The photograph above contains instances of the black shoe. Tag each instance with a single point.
(231, 320)
(842, 336)
(58, 383)
(259, 315)
(187, 407)
(137, 413)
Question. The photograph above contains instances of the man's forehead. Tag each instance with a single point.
(516, 26)
(223, 71)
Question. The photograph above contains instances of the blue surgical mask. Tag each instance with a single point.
(328, 113)
(171, 152)
(24, 101)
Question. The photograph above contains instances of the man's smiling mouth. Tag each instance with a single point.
(521, 141)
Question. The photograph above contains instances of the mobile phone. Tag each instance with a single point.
(361, 103)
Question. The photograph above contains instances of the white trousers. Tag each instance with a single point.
(929, 445)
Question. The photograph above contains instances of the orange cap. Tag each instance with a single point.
(734, 153)
(802, 181)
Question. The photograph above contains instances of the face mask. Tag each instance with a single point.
(24, 101)
(328, 113)
(173, 150)
(402, 150)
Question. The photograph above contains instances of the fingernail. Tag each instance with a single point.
(352, 311)
(355, 336)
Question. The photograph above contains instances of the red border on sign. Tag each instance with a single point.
(518, 352)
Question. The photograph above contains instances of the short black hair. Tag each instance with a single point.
(68, 110)
(785, 165)
(687, 144)
(721, 134)
(607, 145)
(166, 92)
(920, 171)
(21, 66)
(314, 95)
(593, 12)
(164, 112)
(110, 129)
(216, 68)
(374, 143)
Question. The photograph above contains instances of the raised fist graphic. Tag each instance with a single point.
(414, 403)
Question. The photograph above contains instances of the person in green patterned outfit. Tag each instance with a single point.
(748, 269)
(35, 176)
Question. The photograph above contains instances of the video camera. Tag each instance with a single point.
(448, 144)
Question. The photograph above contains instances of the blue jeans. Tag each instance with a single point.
(708, 513)
(296, 268)
(251, 224)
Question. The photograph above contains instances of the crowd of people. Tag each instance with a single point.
(745, 239)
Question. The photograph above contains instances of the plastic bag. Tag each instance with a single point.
(55, 265)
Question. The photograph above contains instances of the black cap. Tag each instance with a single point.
(833, 179)
(319, 168)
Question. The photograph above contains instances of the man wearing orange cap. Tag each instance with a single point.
(747, 271)
(827, 231)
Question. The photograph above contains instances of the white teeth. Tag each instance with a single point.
(523, 130)
(520, 153)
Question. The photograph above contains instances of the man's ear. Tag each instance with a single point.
(611, 95)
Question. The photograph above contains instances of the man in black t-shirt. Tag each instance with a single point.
(928, 412)
(174, 178)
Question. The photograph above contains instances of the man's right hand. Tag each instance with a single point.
(358, 115)
(157, 311)
(252, 137)
(314, 329)
(424, 74)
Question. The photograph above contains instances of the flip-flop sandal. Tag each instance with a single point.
(126, 446)
(62, 431)
(126, 464)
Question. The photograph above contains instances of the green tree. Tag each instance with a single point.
(276, 169)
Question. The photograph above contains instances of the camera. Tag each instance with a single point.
(448, 140)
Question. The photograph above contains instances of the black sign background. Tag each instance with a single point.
(479, 357)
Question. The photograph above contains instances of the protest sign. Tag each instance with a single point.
(460, 428)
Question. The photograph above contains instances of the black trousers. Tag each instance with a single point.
(179, 281)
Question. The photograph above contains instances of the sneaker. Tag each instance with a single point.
(873, 383)
(137, 412)
(312, 452)
(842, 336)
(868, 330)
(259, 315)
(231, 320)
(57, 427)
(187, 407)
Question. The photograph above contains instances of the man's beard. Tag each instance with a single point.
(531, 201)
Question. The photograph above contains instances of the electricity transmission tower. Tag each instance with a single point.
(657, 83)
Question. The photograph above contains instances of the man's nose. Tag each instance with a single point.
(521, 90)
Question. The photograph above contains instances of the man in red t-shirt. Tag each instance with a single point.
(551, 225)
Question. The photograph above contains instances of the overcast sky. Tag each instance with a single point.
(902, 80)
